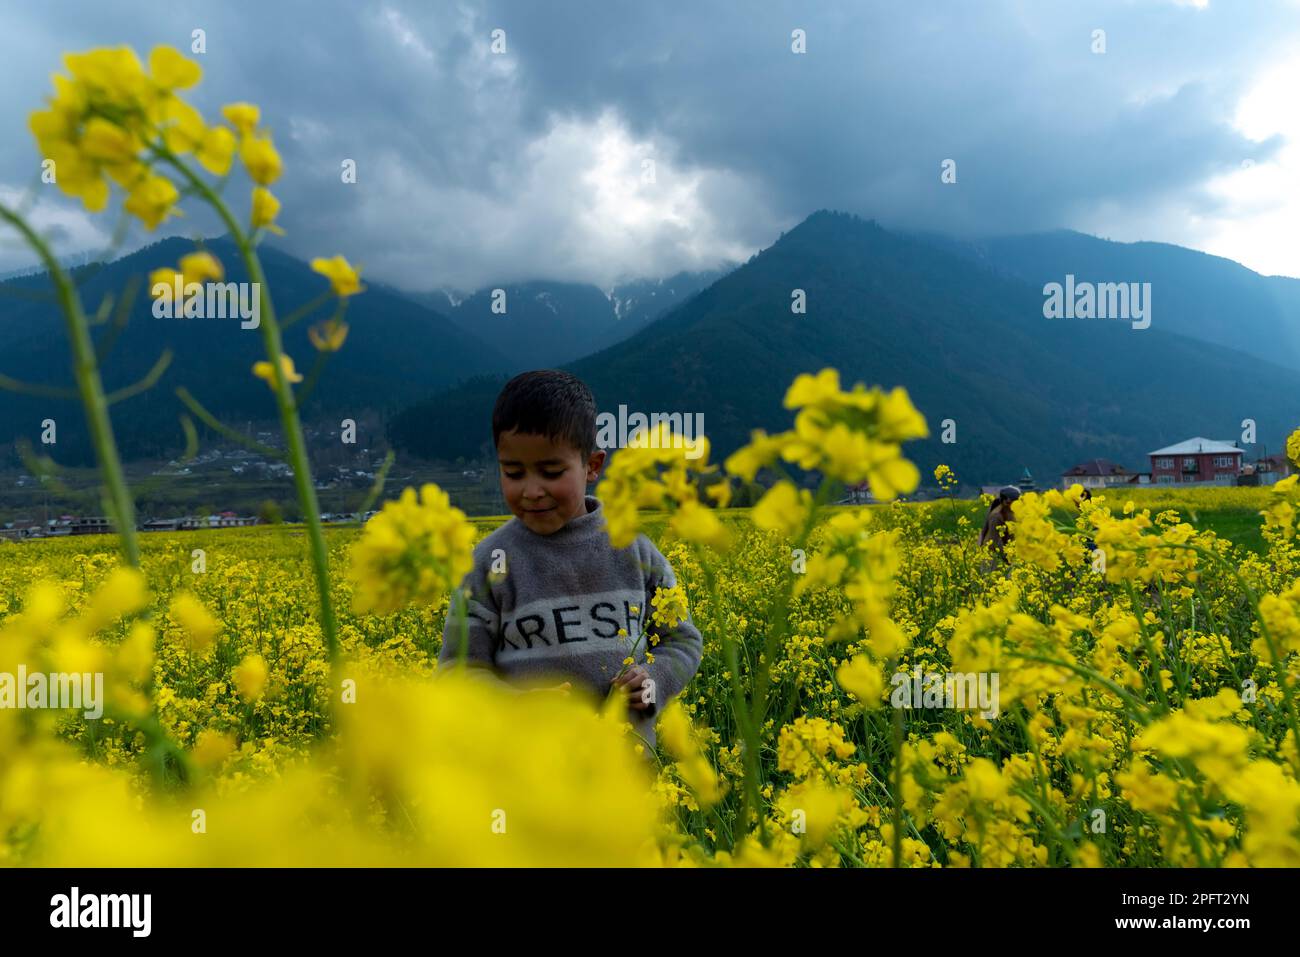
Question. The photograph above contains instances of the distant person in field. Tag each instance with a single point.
(997, 523)
(551, 600)
(1089, 543)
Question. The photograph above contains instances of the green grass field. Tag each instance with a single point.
(1231, 512)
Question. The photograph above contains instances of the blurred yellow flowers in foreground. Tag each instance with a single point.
(442, 773)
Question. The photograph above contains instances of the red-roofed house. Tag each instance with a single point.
(1197, 460)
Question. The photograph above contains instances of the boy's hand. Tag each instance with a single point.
(639, 686)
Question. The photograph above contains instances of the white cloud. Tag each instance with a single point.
(1261, 200)
(62, 222)
(404, 32)
(575, 203)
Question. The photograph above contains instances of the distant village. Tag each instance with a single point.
(1197, 461)
(239, 462)
(98, 525)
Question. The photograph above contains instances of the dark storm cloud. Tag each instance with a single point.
(475, 167)
(1038, 123)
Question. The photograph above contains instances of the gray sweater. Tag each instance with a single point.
(555, 614)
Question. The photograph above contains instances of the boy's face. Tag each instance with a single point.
(545, 482)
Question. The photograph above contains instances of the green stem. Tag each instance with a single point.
(284, 399)
(779, 624)
(117, 499)
(897, 745)
(1043, 775)
(1154, 681)
(751, 798)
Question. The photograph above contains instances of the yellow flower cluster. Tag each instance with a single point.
(111, 120)
(1280, 616)
(195, 268)
(784, 509)
(852, 436)
(1054, 530)
(415, 550)
(670, 606)
(1205, 733)
(105, 116)
(1280, 516)
(1038, 538)
(266, 371)
(1138, 550)
(806, 742)
(344, 278)
(946, 478)
(681, 741)
(655, 472)
(257, 153)
(864, 566)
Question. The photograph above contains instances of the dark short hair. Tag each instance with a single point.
(547, 402)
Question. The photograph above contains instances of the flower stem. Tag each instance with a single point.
(117, 498)
(284, 400)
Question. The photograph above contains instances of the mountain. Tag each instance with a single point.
(969, 342)
(548, 323)
(396, 353)
(1193, 293)
(71, 261)
(544, 323)
(640, 302)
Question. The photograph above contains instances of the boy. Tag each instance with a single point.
(549, 597)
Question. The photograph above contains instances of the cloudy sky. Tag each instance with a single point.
(477, 167)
